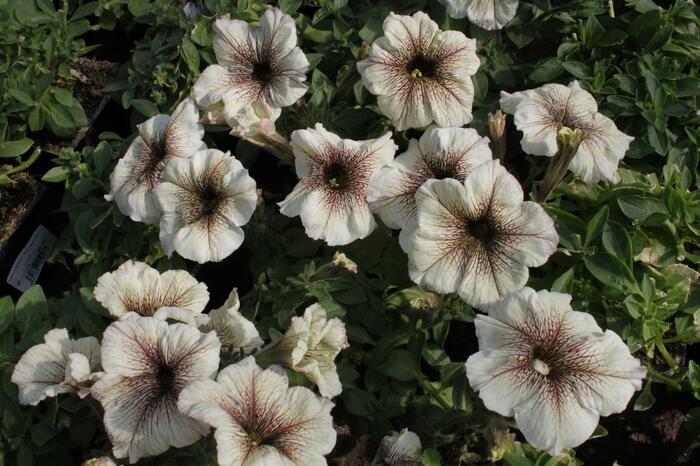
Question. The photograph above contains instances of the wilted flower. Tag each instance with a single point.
(138, 287)
(147, 363)
(205, 201)
(342, 261)
(540, 114)
(161, 139)
(440, 153)
(552, 368)
(255, 65)
(310, 346)
(400, 449)
(488, 14)
(259, 419)
(59, 365)
(420, 73)
(477, 237)
(234, 330)
(331, 196)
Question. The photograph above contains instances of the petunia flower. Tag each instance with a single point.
(552, 368)
(400, 449)
(310, 347)
(161, 139)
(254, 65)
(205, 201)
(234, 330)
(259, 419)
(101, 461)
(138, 287)
(420, 73)
(331, 196)
(59, 365)
(147, 364)
(487, 14)
(540, 113)
(476, 237)
(440, 153)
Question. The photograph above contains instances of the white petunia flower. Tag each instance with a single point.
(259, 419)
(487, 14)
(255, 65)
(161, 139)
(205, 200)
(540, 114)
(552, 368)
(101, 461)
(477, 237)
(331, 196)
(234, 330)
(420, 73)
(440, 153)
(138, 287)
(400, 449)
(59, 365)
(254, 121)
(147, 363)
(310, 347)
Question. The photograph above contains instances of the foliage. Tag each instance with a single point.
(628, 251)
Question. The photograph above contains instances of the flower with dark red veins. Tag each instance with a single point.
(331, 196)
(161, 139)
(138, 287)
(147, 364)
(205, 201)
(420, 73)
(477, 237)
(551, 367)
(59, 365)
(440, 153)
(488, 14)
(255, 66)
(259, 419)
(540, 114)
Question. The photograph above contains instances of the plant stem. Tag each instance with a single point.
(665, 354)
(24, 165)
(435, 395)
(663, 379)
(676, 339)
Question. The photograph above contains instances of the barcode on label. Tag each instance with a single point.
(27, 267)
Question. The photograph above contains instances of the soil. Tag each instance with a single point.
(15, 198)
(350, 450)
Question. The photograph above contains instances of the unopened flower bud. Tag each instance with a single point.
(497, 133)
(568, 141)
(399, 449)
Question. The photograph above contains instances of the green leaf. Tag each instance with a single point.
(611, 271)
(36, 119)
(22, 96)
(688, 433)
(15, 148)
(55, 175)
(647, 210)
(431, 457)
(617, 242)
(593, 31)
(31, 308)
(565, 282)
(138, 7)
(145, 107)
(7, 313)
(547, 70)
(64, 97)
(191, 55)
(401, 365)
(645, 400)
(595, 225)
(289, 6)
(577, 69)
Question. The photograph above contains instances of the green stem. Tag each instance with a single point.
(676, 339)
(435, 395)
(653, 375)
(665, 354)
(24, 165)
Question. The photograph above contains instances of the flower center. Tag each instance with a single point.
(540, 366)
(481, 229)
(262, 72)
(336, 175)
(210, 200)
(421, 67)
(165, 379)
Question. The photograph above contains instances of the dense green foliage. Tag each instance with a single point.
(628, 252)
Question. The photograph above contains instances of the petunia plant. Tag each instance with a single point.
(353, 232)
